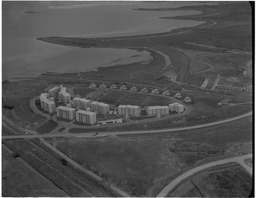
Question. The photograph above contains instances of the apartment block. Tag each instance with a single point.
(100, 107)
(158, 110)
(86, 117)
(177, 107)
(64, 97)
(81, 103)
(53, 92)
(48, 105)
(66, 112)
(128, 110)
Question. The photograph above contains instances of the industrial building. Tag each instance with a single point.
(48, 105)
(110, 121)
(158, 110)
(81, 103)
(53, 92)
(66, 112)
(64, 97)
(86, 117)
(129, 110)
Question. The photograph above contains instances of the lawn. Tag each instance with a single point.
(83, 91)
(229, 180)
(112, 97)
(143, 164)
(19, 181)
(47, 127)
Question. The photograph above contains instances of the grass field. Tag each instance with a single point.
(20, 181)
(142, 164)
(229, 180)
(83, 91)
(113, 97)
(124, 98)
(47, 127)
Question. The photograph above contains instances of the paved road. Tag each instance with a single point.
(107, 133)
(191, 172)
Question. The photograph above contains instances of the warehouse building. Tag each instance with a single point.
(86, 117)
(158, 110)
(66, 112)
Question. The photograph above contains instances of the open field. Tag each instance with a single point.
(140, 99)
(47, 127)
(19, 180)
(228, 180)
(162, 156)
(82, 91)
(113, 97)
(47, 163)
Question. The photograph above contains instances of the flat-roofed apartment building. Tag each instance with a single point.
(48, 105)
(42, 97)
(66, 112)
(81, 103)
(53, 92)
(64, 97)
(99, 107)
(158, 110)
(129, 110)
(177, 107)
(86, 117)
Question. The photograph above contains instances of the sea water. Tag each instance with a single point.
(23, 22)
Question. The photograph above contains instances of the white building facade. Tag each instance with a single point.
(86, 117)
(66, 112)
(158, 110)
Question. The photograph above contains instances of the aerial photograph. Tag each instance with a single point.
(127, 98)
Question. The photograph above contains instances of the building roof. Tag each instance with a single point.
(66, 108)
(54, 88)
(122, 106)
(158, 107)
(47, 101)
(133, 106)
(86, 112)
(65, 94)
(178, 95)
(187, 99)
(173, 104)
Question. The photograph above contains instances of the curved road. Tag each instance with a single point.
(240, 159)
